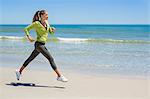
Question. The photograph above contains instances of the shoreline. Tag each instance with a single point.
(79, 86)
(70, 71)
(40, 63)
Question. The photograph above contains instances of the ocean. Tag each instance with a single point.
(92, 49)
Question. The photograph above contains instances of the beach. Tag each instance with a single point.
(80, 86)
(100, 61)
(101, 46)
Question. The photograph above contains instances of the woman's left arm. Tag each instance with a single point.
(51, 29)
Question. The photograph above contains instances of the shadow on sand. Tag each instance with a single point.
(33, 85)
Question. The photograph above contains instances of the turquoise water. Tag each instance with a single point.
(100, 49)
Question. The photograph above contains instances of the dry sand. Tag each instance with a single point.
(80, 86)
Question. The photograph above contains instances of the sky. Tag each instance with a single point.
(77, 11)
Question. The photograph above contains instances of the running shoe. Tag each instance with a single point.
(62, 78)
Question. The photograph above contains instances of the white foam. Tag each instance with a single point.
(11, 37)
(71, 39)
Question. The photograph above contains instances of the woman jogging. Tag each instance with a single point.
(42, 28)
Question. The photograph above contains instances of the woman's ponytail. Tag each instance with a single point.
(37, 15)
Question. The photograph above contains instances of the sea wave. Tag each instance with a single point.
(72, 39)
(11, 38)
(79, 40)
(97, 40)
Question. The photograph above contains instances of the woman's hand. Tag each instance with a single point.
(30, 38)
(53, 29)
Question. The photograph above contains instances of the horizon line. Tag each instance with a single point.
(78, 24)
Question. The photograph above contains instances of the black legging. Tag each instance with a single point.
(40, 48)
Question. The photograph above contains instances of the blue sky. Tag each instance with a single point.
(77, 11)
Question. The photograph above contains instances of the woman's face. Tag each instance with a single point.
(45, 16)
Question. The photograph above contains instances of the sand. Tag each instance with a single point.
(80, 86)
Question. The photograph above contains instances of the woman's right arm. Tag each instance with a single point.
(27, 29)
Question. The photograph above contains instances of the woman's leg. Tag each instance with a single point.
(31, 57)
(46, 53)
